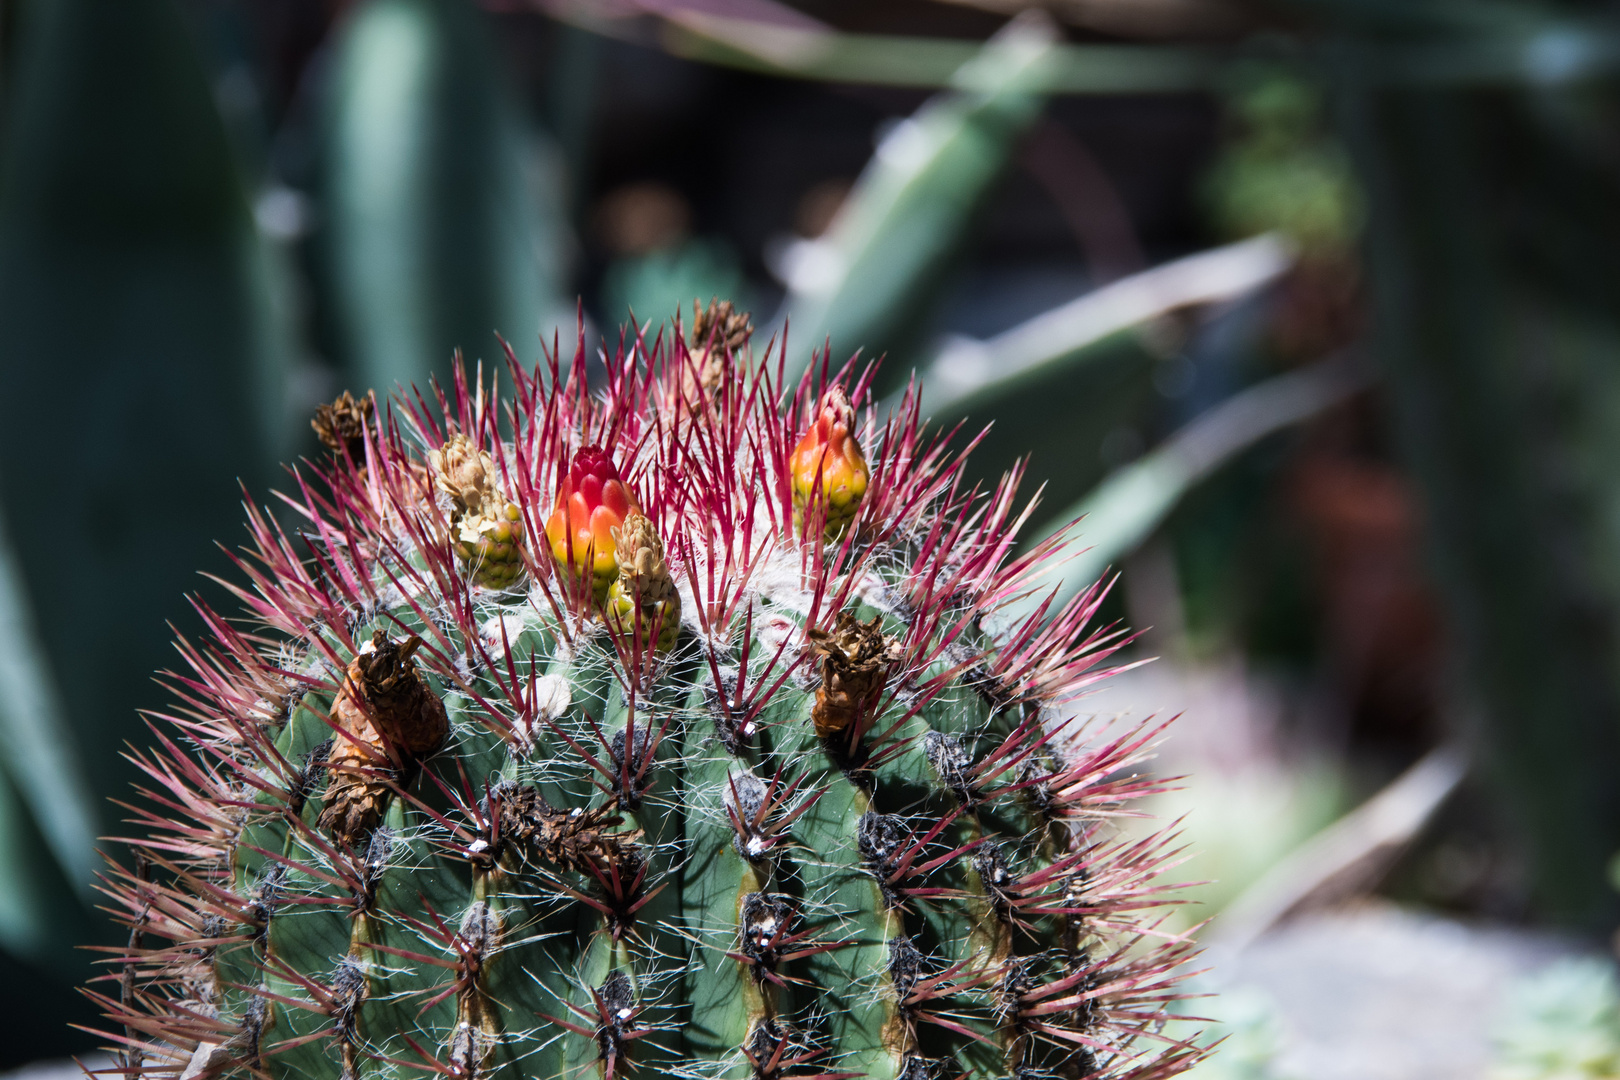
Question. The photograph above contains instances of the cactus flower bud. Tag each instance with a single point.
(592, 502)
(828, 466)
(487, 529)
(643, 584)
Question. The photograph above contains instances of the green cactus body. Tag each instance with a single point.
(830, 823)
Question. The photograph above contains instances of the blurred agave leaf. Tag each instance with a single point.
(441, 208)
(142, 363)
(1240, 823)
(869, 282)
(1351, 854)
(799, 47)
(1065, 384)
(1073, 425)
(1127, 507)
(968, 375)
(36, 925)
(42, 932)
(47, 814)
(1449, 44)
(41, 770)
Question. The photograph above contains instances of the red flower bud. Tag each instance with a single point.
(592, 501)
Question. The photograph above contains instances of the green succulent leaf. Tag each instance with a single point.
(442, 208)
(872, 278)
(138, 318)
(1126, 508)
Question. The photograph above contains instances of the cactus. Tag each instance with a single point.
(740, 774)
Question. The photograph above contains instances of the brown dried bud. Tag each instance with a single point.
(568, 839)
(342, 425)
(354, 806)
(388, 719)
(718, 332)
(856, 658)
(720, 325)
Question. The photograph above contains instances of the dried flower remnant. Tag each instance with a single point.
(568, 839)
(387, 719)
(720, 329)
(341, 426)
(855, 662)
(719, 335)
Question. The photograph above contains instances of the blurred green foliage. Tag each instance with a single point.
(143, 368)
(878, 272)
(1247, 1029)
(1236, 825)
(148, 326)
(655, 285)
(1563, 1023)
(1493, 265)
(1281, 172)
(137, 331)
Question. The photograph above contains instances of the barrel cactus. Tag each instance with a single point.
(667, 723)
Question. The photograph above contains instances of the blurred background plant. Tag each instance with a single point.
(1308, 305)
(1564, 1022)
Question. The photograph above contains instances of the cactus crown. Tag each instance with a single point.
(742, 771)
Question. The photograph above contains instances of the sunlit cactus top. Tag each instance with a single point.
(747, 770)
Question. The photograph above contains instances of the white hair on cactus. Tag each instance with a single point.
(552, 698)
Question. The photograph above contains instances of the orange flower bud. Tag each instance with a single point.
(592, 501)
(829, 452)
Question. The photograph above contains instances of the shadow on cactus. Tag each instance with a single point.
(677, 734)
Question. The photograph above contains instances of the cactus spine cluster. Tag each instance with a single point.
(741, 771)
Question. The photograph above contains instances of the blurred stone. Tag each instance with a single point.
(1376, 992)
